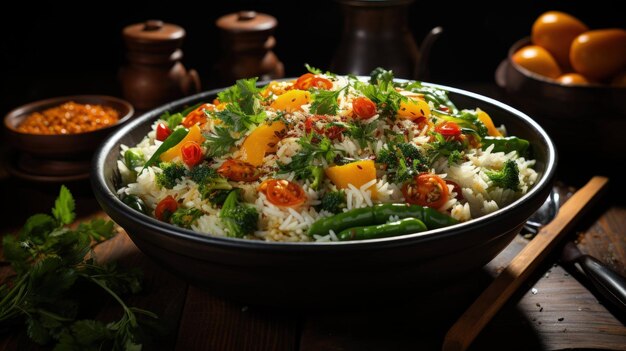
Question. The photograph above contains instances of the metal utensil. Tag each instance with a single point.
(608, 282)
(544, 214)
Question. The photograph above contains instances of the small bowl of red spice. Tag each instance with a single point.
(65, 127)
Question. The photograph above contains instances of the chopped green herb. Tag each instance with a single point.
(219, 142)
(50, 260)
(325, 102)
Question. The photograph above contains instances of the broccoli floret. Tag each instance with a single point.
(215, 190)
(239, 218)
(403, 160)
(333, 201)
(216, 196)
(203, 174)
(507, 177)
(387, 157)
(184, 217)
(171, 173)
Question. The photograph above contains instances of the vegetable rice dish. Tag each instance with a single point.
(324, 158)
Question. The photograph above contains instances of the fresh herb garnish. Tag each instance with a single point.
(325, 102)
(219, 142)
(304, 163)
(442, 147)
(363, 133)
(50, 259)
(383, 94)
(244, 109)
(312, 69)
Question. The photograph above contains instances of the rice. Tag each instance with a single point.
(477, 193)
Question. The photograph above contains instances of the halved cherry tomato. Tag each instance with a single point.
(165, 208)
(321, 83)
(304, 82)
(426, 190)
(192, 153)
(448, 129)
(197, 116)
(162, 132)
(363, 107)
(238, 171)
(456, 189)
(281, 192)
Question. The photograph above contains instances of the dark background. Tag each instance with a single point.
(54, 50)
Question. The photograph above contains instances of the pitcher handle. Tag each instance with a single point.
(421, 70)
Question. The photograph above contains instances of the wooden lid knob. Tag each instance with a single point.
(246, 21)
(153, 31)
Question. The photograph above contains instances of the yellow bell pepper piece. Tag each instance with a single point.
(195, 134)
(413, 109)
(491, 128)
(291, 101)
(355, 173)
(261, 141)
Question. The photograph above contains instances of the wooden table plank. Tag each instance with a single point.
(213, 323)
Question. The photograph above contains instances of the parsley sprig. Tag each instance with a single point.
(244, 109)
(220, 142)
(50, 259)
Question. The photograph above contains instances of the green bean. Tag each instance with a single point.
(401, 227)
(380, 214)
(135, 203)
(354, 218)
(133, 158)
(507, 145)
(431, 217)
(171, 141)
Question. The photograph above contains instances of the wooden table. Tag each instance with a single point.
(555, 310)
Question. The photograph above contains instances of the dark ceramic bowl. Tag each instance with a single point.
(586, 122)
(317, 273)
(65, 146)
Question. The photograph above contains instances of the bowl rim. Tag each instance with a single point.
(526, 41)
(38, 105)
(104, 194)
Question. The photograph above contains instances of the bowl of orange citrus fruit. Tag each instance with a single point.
(572, 80)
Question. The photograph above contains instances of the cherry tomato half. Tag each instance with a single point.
(284, 193)
(448, 129)
(304, 82)
(426, 190)
(162, 132)
(192, 153)
(197, 116)
(165, 208)
(321, 83)
(238, 171)
(363, 107)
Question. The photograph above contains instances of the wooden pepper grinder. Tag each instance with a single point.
(247, 44)
(154, 74)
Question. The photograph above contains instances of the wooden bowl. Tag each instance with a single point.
(62, 146)
(316, 274)
(586, 122)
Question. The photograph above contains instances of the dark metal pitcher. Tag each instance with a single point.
(376, 34)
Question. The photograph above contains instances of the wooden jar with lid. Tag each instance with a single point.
(247, 43)
(154, 74)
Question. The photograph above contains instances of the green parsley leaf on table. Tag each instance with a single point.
(50, 260)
